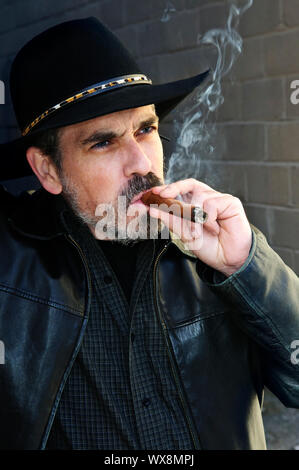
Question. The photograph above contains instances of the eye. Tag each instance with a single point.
(147, 130)
(101, 145)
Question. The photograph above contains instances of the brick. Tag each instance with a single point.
(103, 11)
(263, 16)
(194, 3)
(16, 39)
(157, 37)
(150, 66)
(224, 177)
(281, 53)
(285, 228)
(99, 10)
(4, 3)
(259, 217)
(129, 37)
(212, 17)
(283, 142)
(167, 10)
(295, 185)
(181, 32)
(230, 110)
(267, 184)
(145, 34)
(193, 154)
(244, 142)
(29, 12)
(286, 255)
(209, 173)
(7, 18)
(136, 12)
(184, 64)
(7, 116)
(258, 102)
(250, 63)
(291, 12)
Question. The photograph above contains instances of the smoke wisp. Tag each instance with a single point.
(196, 135)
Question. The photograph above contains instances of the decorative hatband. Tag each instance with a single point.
(96, 89)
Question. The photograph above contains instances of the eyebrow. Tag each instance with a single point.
(101, 136)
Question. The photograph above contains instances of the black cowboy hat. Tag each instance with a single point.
(72, 72)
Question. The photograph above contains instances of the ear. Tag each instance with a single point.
(44, 169)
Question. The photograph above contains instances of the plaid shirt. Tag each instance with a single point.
(121, 392)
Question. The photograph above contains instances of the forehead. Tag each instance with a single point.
(127, 118)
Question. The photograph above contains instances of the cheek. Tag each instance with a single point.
(101, 182)
(157, 159)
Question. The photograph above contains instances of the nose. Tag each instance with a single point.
(136, 160)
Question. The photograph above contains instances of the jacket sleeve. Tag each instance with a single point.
(264, 294)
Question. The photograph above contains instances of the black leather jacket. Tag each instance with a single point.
(225, 341)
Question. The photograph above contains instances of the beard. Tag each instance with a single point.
(127, 233)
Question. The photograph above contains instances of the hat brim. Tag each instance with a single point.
(165, 97)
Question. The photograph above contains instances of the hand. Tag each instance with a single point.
(225, 239)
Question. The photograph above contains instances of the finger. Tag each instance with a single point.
(198, 197)
(183, 187)
(223, 209)
(158, 189)
(211, 225)
(184, 229)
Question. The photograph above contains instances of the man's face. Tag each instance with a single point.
(112, 155)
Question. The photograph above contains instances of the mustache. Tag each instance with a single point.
(138, 184)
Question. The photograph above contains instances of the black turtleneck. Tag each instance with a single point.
(122, 259)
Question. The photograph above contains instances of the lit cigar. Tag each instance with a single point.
(178, 208)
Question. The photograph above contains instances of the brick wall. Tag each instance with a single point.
(257, 126)
(268, 123)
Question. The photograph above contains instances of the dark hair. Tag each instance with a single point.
(48, 142)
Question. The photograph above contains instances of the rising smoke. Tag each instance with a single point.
(168, 11)
(196, 135)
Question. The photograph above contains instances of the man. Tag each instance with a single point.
(124, 342)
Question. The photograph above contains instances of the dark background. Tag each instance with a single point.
(256, 133)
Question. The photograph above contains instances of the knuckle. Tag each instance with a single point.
(190, 180)
(237, 201)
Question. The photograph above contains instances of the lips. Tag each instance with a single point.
(137, 198)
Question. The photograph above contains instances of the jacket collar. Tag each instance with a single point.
(37, 215)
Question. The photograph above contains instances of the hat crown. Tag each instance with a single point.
(63, 60)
